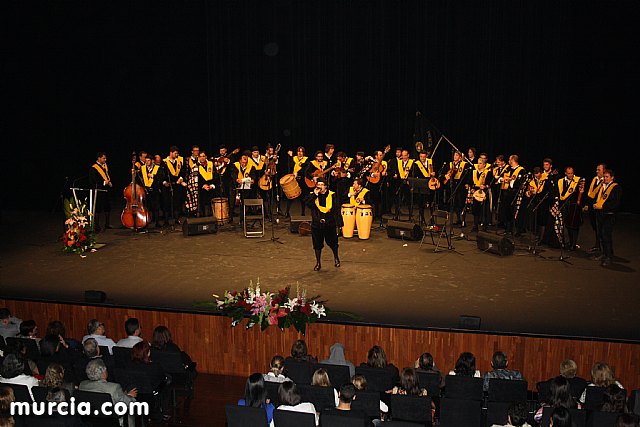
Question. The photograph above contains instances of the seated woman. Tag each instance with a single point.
(360, 383)
(614, 399)
(377, 358)
(29, 329)
(466, 366)
(300, 352)
(290, 400)
(425, 364)
(276, 369)
(409, 384)
(255, 395)
(162, 341)
(559, 397)
(601, 376)
(320, 378)
(158, 379)
(12, 372)
(54, 378)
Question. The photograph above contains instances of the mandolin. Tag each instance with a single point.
(266, 180)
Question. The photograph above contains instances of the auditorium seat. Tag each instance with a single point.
(593, 399)
(338, 374)
(96, 400)
(602, 419)
(465, 388)
(244, 416)
(367, 402)
(321, 397)
(411, 408)
(272, 392)
(299, 371)
(579, 417)
(122, 356)
(460, 412)
(33, 352)
(293, 419)
(378, 379)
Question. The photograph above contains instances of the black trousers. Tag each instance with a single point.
(322, 233)
(605, 223)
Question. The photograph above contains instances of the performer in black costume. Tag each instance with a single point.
(206, 184)
(174, 186)
(151, 176)
(99, 179)
(325, 218)
(606, 205)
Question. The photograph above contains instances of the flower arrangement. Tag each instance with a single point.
(77, 238)
(268, 308)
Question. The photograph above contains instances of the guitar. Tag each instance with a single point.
(266, 181)
(220, 161)
(319, 173)
(378, 168)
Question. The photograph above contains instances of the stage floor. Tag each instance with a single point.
(382, 280)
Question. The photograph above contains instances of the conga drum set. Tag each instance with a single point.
(360, 217)
(290, 186)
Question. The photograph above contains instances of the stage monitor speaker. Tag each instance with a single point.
(195, 226)
(95, 296)
(404, 230)
(469, 322)
(495, 244)
(294, 225)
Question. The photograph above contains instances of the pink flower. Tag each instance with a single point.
(273, 319)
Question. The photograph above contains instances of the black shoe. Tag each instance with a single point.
(605, 262)
(594, 249)
(597, 257)
(317, 267)
(337, 262)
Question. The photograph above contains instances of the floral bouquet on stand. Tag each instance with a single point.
(78, 237)
(268, 308)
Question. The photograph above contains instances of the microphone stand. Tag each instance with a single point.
(273, 238)
(534, 211)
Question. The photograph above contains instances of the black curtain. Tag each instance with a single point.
(537, 79)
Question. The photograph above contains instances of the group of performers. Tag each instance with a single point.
(547, 203)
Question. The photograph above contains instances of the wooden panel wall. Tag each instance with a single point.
(218, 348)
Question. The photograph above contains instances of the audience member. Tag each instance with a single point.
(96, 330)
(614, 399)
(560, 417)
(255, 395)
(466, 366)
(336, 357)
(158, 379)
(320, 378)
(91, 351)
(6, 398)
(97, 382)
(426, 364)
(12, 372)
(52, 351)
(559, 396)
(133, 330)
(276, 369)
(290, 400)
(9, 325)
(360, 383)
(601, 376)
(346, 395)
(54, 377)
(162, 341)
(516, 415)
(58, 395)
(377, 358)
(300, 353)
(569, 370)
(29, 330)
(627, 420)
(409, 384)
(499, 364)
(20, 350)
(57, 329)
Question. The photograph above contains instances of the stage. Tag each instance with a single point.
(384, 281)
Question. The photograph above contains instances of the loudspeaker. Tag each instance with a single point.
(468, 322)
(495, 244)
(404, 230)
(95, 296)
(294, 225)
(204, 225)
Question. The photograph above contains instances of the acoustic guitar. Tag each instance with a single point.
(319, 173)
(266, 180)
(378, 168)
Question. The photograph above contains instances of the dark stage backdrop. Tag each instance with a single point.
(539, 79)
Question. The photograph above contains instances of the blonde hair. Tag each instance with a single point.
(568, 368)
(602, 375)
(277, 365)
(54, 377)
(321, 378)
(359, 382)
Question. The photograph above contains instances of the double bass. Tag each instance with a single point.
(134, 215)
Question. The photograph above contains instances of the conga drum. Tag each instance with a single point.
(364, 219)
(290, 186)
(348, 213)
(220, 207)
